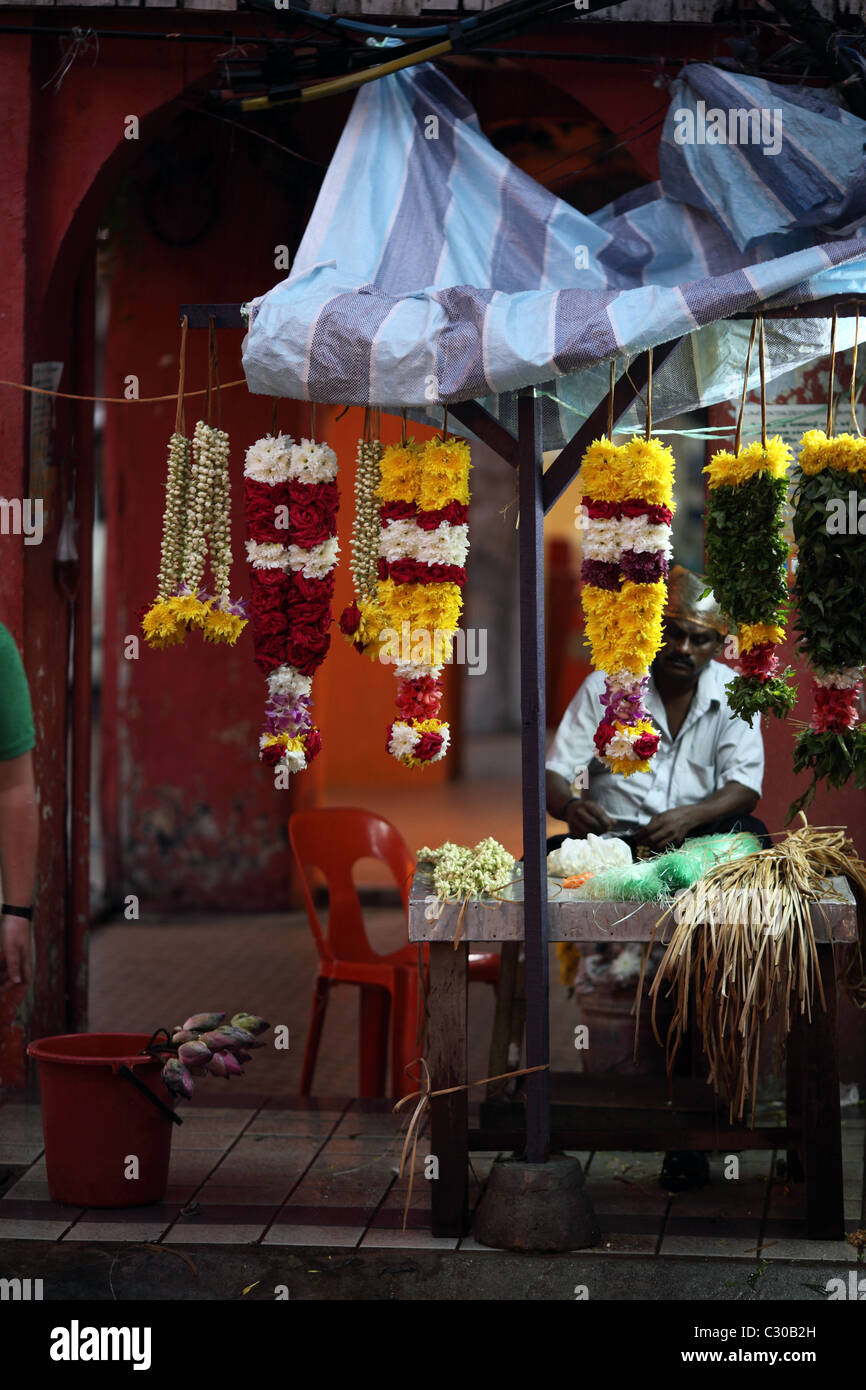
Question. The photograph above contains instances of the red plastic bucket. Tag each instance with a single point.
(95, 1120)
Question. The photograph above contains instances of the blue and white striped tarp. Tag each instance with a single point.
(433, 270)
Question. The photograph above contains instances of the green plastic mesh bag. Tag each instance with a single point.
(650, 880)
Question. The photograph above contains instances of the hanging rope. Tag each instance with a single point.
(829, 430)
(610, 401)
(854, 375)
(739, 432)
(178, 419)
(763, 370)
(649, 394)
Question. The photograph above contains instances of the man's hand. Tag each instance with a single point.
(14, 952)
(586, 817)
(669, 828)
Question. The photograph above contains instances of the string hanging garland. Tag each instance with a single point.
(197, 509)
(747, 558)
(411, 615)
(290, 505)
(829, 499)
(626, 512)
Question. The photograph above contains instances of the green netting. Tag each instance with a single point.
(650, 880)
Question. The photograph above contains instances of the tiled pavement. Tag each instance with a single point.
(288, 1172)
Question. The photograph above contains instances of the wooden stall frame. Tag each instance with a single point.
(538, 491)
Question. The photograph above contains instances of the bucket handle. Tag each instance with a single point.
(129, 1075)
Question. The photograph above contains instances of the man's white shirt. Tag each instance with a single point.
(710, 750)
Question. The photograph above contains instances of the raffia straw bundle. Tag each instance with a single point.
(743, 938)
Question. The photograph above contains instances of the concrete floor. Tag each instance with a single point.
(254, 1167)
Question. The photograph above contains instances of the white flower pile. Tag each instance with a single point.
(462, 872)
(405, 738)
(587, 856)
(268, 459)
(311, 462)
(406, 540)
(606, 539)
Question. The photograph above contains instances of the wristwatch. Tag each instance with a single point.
(7, 910)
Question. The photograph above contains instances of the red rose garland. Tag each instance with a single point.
(290, 505)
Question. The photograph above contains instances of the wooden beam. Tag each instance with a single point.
(224, 315)
(487, 428)
(566, 465)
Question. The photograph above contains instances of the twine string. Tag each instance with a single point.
(832, 374)
(854, 374)
(738, 435)
(649, 394)
(178, 419)
(403, 427)
(209, 396)
(610, 400)
(763, 370)
(274, 419)
(423, 1098)
(444, 424)
(114, 400)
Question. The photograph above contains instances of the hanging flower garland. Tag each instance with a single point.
(290, 505)
(626, 511)
(365, 530)
(747, 558)
(197, 507)
(829, 499)
(411, 617)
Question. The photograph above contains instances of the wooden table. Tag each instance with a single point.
(812, 1135)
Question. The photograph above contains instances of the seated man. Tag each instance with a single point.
(705, 777)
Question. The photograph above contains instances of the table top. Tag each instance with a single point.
(571, 918)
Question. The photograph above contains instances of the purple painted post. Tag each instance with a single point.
(532, 721)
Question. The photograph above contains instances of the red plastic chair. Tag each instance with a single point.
(333, 839)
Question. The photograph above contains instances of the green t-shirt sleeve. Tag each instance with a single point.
(16, 715)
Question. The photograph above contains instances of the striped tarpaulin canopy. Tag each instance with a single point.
(433, 270)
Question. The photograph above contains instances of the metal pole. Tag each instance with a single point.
(532, 719)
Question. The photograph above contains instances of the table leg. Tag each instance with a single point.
(794, 1092)
(447, 1058)
(822, 1116)
(498, 1062)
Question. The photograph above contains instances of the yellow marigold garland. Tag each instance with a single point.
(423, 496)
(627, 510)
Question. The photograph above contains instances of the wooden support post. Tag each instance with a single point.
(532, 719)
(448, 1062)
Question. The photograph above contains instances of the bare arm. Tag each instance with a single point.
(19, 834)
(672, 827)
(580, 814)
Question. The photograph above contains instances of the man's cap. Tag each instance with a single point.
(685, 601)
